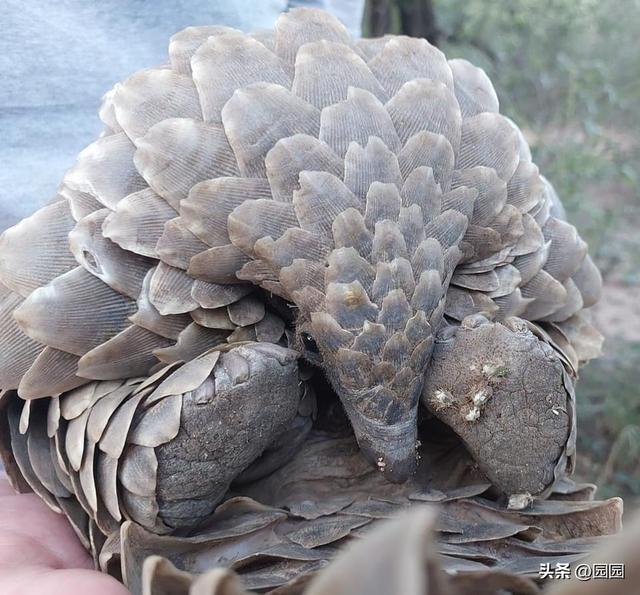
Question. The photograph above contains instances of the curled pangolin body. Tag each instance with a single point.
(371, 184)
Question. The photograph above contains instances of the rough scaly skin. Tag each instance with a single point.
(503, 392)
(372, 185)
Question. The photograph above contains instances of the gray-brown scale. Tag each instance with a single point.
(374, 189)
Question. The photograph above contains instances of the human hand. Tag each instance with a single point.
(41, 555)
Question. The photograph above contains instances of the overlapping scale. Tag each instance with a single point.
(373, 185)
(351, 101)
(305, 516)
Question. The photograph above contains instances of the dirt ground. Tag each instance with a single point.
(617, 315)
(608, 399)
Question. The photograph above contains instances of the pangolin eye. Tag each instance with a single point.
(309, 343)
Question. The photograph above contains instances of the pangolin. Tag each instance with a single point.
(271, 198)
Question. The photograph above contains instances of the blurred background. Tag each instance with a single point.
(567, 71)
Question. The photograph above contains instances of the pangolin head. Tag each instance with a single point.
(376, 365)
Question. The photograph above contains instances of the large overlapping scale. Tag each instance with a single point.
(373, 185)
(401, 555)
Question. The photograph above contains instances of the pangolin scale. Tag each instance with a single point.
(263, 199)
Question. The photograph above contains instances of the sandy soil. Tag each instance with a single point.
(617, 314)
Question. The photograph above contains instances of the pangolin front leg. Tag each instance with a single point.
(507, 394)
(161, 451)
